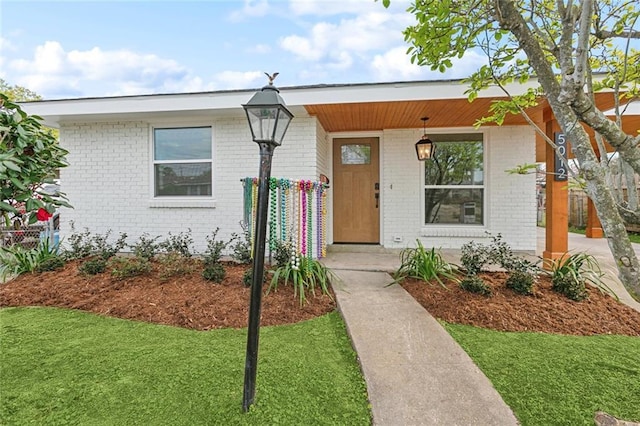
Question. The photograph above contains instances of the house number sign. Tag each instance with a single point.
(560, 163)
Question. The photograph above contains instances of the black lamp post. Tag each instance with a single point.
(424, 147)
(269, 119)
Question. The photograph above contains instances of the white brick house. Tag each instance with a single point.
(116, 153)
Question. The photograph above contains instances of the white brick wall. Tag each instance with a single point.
(510, 200)
(109, 178)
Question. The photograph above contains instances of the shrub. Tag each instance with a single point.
(174, 264)
(146, 247)
(570, 273)
(424, 264)
(50, 264)
(474, 284)
(86, 244)
(473, 257)
(214, 272)
(128, 267)
(180, 243)
(93, 266)
(283, 253)
(213, 252)
(247, 277)
(521, 282)
(305, 274)
(241, 245)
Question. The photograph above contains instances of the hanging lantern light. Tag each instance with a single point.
(424, 147)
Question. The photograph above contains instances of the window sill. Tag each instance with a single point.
(455, 231)
(186, 203)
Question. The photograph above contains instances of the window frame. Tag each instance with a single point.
(423, 186)
(180, 200)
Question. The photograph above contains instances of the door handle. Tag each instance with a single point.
(377, 195)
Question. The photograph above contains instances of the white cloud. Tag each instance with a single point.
(6, 44)
(358, 36)
(260, 49)
(395, 65)
(54, 72)
(250, 9)
(335, 7)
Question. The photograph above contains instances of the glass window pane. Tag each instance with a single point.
(191, 179)
(356, 154)
(455, 163)
(193, 143)
(454, 206)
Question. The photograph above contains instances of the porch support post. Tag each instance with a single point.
(594, 227)
(557, 205)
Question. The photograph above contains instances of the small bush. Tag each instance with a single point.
(572, 287)
(283, 253)
(146, 247)
(50, 264)
(473, 257)
(570, 273)
(247, 277)
(521, 282)
(241, 245)
(305, 274)
(215, 272)
(128, 267)
(85, 244)
(213, 252)
(174, 264)
(93, 266)
(474, 284)
(180, 243)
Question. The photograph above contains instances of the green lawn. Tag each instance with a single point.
(66, 367)
(558, 380)
(633, 237)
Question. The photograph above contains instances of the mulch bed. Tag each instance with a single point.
(190, 301)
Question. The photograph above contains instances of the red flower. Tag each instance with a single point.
(43, 215)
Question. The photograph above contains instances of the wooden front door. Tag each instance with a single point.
(356, 202)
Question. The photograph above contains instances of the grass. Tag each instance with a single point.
(557, 380)
(633, 236)
(67, 367)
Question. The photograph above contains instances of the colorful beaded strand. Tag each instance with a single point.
(309, 191)
(324, 223)
(273, 205)
(303, 210)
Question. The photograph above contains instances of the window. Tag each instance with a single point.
(454, 180)
(182, 162)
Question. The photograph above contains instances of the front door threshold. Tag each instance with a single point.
(356, 248)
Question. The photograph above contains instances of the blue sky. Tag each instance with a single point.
(68, 49)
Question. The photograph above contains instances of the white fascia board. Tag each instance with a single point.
(229, 103)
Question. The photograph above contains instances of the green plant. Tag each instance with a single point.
(16, 260)
(93, 266)
(128, 267)
(283, 253)
(50, 264)
(425, 265)
(180, 243)
(474, 284)
(247, 277)
(86, 244)
(174, 264)
(215, 272)
(474, 256)
(241, 245)
(305, 274)
(146, 247)
(569, 274)
(521, 282)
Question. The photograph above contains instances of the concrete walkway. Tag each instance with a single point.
(416, 373)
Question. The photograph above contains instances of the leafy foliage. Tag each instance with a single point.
(128, 267)
(304, 274)
(241, 245)
(174, 264)
(570, 273)
(29, 157)
(213, 269)
(475, 256)
(521, 282)
(85, 244)
(181, 243)
(425, 265)
(93, 266)
(16, 259)
(283, 253)
(146, 247)
(474, 284)
(214, 272)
